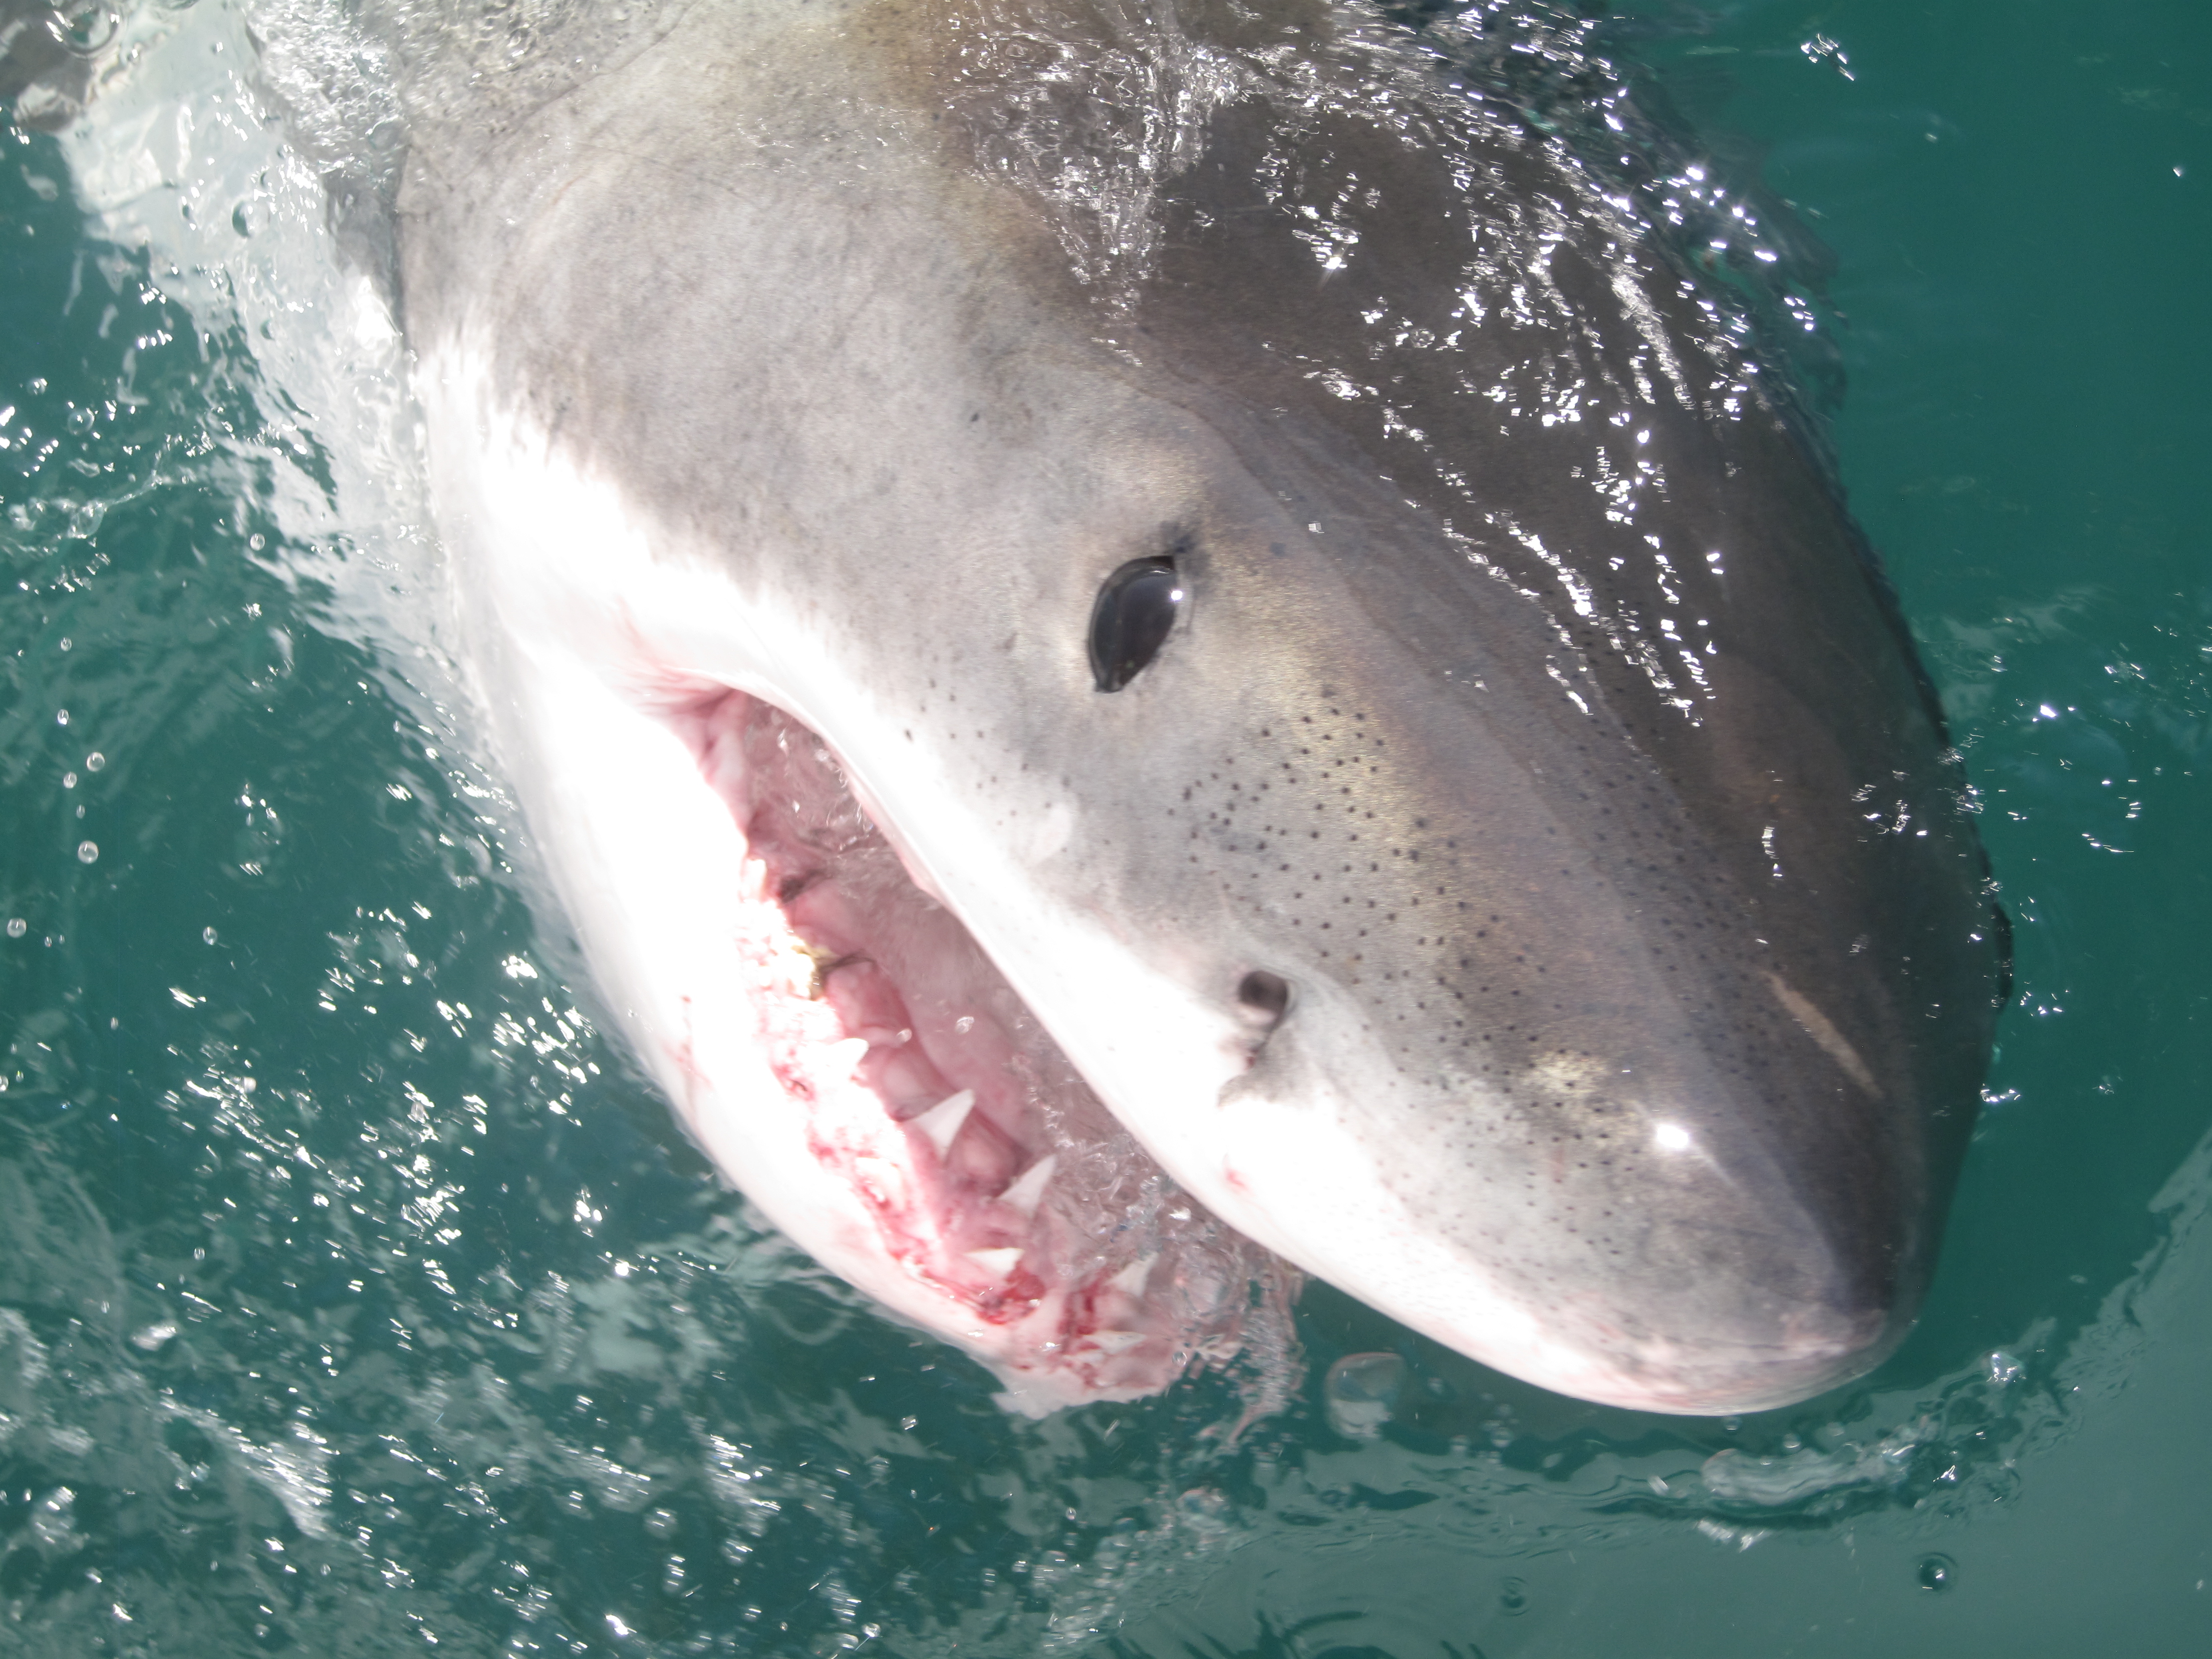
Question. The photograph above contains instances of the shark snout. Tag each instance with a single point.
(1733, 1323)
(1659, 1229)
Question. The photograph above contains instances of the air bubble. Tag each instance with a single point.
(1361, 1391)
(1513, 1597)
(87, 852)
(94, 761)
(1935, 1572)
(1204, 1503)
(207, 935)
(17, 927)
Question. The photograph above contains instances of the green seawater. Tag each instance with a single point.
(357, 1297)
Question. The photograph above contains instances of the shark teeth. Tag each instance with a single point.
(942, 1121)
(1025, 1193)
(843, 1058)
(997, 1262)
(1130, 1281)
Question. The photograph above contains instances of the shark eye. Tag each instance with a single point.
(1133, 616)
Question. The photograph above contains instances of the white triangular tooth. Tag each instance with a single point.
(1130, 1281)
(1025, 1193)
(843, 1058)
(942, 1121)
(996, 1262)
(1115, 1341)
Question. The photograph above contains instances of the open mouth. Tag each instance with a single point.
(1030, 1226)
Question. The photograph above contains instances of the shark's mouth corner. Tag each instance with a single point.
(1023, 1221)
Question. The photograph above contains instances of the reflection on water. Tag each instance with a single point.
(356, 1296)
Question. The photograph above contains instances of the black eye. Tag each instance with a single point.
(1135, 612)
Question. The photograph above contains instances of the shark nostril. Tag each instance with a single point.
(1264, 995)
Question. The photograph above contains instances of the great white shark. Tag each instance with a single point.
(1031, 559)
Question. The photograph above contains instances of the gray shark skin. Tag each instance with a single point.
(1535, 715)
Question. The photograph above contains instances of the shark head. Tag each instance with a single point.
(1367, 703)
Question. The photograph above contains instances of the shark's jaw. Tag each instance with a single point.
(994, 1180)
(830, 1033)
